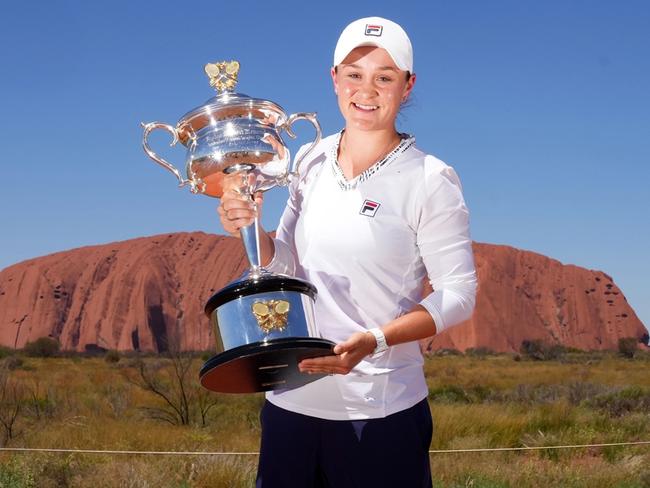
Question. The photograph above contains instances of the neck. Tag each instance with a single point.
(359, 150)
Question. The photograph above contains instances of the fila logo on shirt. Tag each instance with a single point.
(374, 30)
(369, 208)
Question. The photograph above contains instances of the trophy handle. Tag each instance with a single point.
(311, 117)
(148, 128)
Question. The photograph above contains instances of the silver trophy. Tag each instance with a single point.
(264, 322)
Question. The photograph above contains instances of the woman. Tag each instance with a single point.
(367, 220)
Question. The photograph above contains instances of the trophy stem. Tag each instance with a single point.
(250, 235)
(250, 238)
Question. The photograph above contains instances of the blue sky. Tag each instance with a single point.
(543, 108)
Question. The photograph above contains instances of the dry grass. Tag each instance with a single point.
(476, 402)
(532, 470)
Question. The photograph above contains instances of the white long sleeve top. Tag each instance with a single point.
(367, 245)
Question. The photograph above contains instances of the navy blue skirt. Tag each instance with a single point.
(303, 452)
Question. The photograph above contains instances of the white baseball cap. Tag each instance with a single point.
(376, 31)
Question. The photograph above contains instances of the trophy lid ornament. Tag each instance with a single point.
(223, 75)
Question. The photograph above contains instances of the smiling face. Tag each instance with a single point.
(370, 88)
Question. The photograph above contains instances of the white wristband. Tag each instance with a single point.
(382, 345)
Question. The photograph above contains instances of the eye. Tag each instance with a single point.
(385, 79)
(354, 76)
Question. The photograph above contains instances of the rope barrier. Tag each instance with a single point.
(97, 451)
(539, 448)
(204, 453)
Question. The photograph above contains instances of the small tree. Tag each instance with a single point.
(11, 401)
(169, 386)
(174, 381)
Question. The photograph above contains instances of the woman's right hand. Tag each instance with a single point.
(236, 209)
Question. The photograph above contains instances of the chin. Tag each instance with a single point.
(364, 124)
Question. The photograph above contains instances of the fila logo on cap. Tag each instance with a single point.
(369, 208)
(374, 30)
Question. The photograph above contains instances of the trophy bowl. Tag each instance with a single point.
(264, 323)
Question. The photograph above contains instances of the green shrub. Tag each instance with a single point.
(533, 349)
(43, 347)
(449, 394)
(580, 391)
(622, 402)
(16, 475)
(479, 352)
(627, 346)
(539, 350)
(5, 352)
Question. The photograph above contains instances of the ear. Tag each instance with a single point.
(408, 88)
(334, 82)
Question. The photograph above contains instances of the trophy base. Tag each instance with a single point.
(263, 366)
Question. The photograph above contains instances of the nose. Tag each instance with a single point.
(368, 89)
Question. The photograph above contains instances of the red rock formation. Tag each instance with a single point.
(125, 295)
(137, 294)
(524, 295)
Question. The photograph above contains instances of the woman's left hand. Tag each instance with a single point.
(347, 355)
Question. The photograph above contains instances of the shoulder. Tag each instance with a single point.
(429, 170)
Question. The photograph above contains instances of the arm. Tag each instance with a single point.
(446, 249)
(412, 326)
